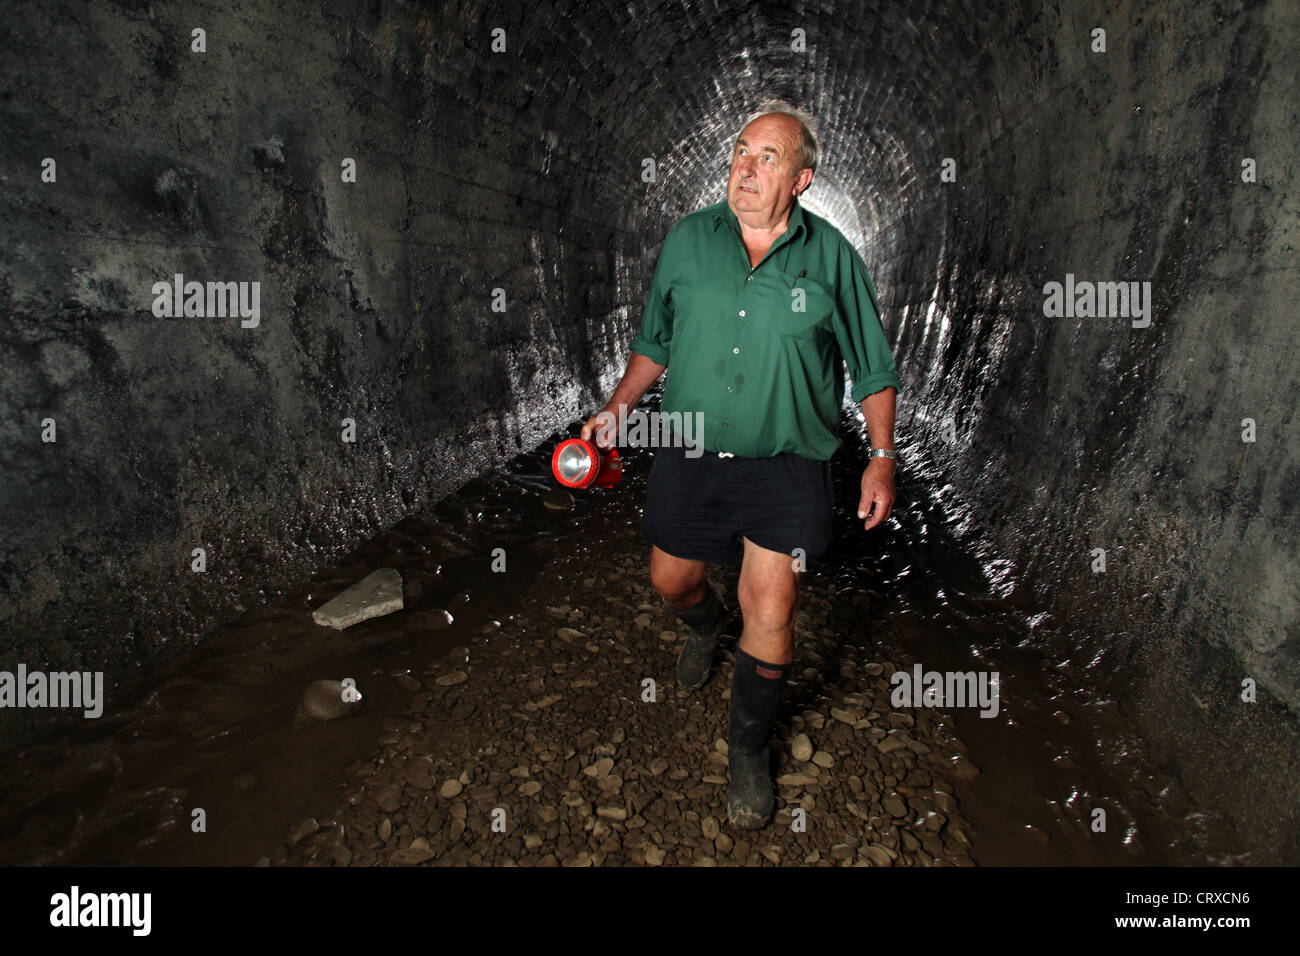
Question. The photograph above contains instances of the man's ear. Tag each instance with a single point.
(804, 181)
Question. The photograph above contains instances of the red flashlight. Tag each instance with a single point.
(581, 464)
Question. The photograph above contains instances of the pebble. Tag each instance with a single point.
(452, 677)
(801, 748)
(558, 500)
(451, 788)
(795, 780)
(303, 830)
(877, 855)
(419, 773)
(389, 799)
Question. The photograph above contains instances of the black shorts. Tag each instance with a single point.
(699, 508)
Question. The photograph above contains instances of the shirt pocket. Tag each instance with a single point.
(818, 302)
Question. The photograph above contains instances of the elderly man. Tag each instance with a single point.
(754, 303)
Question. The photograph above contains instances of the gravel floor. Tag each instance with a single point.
(545, 744)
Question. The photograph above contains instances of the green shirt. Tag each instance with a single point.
(766, 375)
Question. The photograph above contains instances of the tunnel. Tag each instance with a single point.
(438, 225)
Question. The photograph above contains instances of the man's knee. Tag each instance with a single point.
(679, 582)
(769, 608)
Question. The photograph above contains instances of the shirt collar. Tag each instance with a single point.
(724, 213)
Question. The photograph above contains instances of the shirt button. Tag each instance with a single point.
(735, 351)
(749, 278)
(730, 388)
(742, 313)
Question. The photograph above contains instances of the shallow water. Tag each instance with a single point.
(218, 729)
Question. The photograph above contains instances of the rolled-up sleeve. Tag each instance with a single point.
(655, 339)
(858, 329)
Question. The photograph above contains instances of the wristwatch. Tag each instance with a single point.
(884, 453)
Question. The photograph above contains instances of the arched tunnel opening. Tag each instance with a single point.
(436, 229)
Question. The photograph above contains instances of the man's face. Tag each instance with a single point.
(767, 168)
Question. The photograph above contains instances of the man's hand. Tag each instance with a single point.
(603, 426)
(877, 492)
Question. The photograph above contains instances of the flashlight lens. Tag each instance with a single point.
(574, 463)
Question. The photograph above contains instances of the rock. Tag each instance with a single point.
(611, 813)
(895, 807)
(876, 854)
(386, 829)
(801, 748)
(710, 827)
(822, 759)
(432, 620)
(419, 773)
(558, 500)
(324, 699)
(342, 855)
(452, 677)
(795, 780)
(375, 595)
(389, 799)
(570, 634)
(451, 788)
(418, 852)
(303, 830)
(654, 855)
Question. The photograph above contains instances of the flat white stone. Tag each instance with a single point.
(374, 595)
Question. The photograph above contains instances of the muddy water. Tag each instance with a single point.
(220, 730)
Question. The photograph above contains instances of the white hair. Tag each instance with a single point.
(807, 127)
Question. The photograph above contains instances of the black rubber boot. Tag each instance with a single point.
(705, 620)
(757, 691)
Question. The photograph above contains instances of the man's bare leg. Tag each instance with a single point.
(769, 599)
